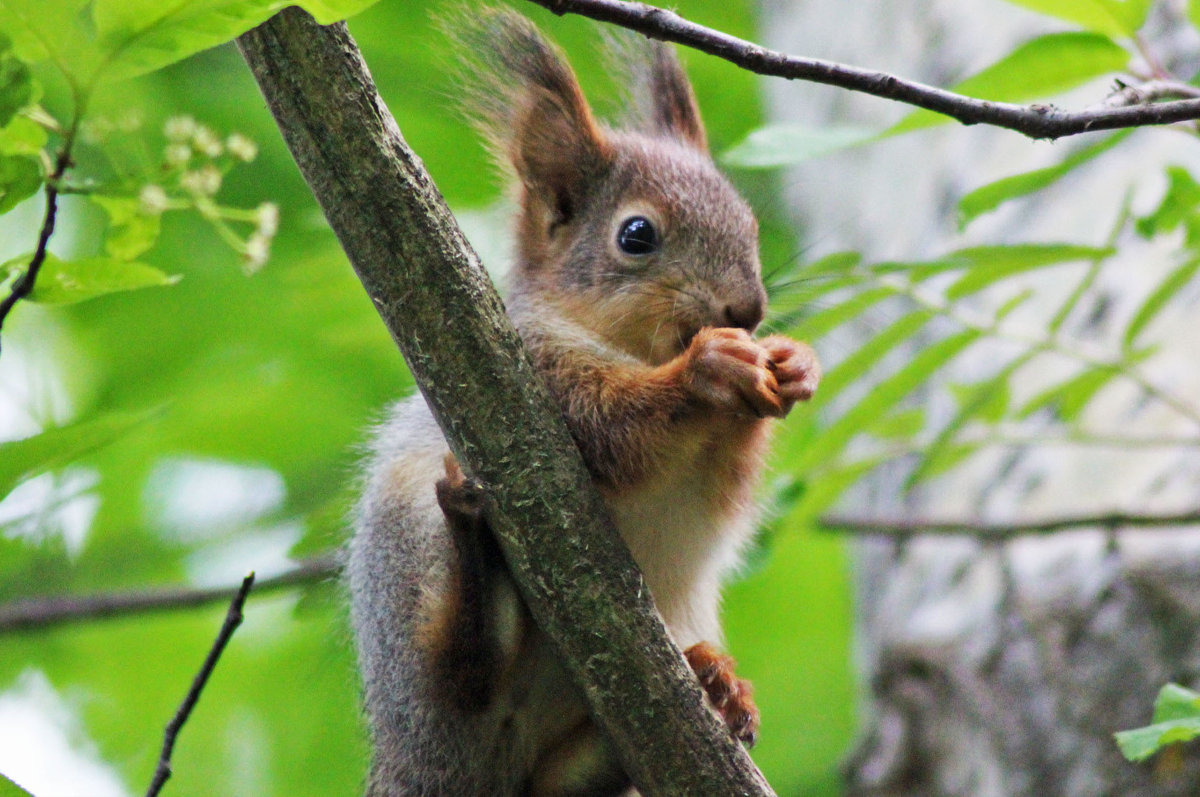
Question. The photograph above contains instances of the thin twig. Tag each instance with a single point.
(1035, 121)
(24, 284)
(1150, 91)
(42, 613)
(233, 618)
(994, 531)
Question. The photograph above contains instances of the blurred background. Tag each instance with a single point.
(988, 360)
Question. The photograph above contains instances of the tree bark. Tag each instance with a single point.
(576, 575)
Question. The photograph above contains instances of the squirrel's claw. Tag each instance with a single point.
(795, 367)
(730, 696)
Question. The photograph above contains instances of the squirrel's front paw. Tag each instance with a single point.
(797, 371)
(728, 370)
(729, 695)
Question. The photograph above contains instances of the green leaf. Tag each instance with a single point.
(22, 137)
(883, 397)
(902, 424)
(1177, 207)
(940, 460)
(1175, 702)
(824, 492)
(56, 30)
(1012, 303)
(821, 322)
(16, 82)
(70, 281)
(1176, 719)
(789, 144)
(987, 265)
(1043, 67)
(988, 400)
(1110, 17)
(1157, 300)
(1070, 397)
(133, 232)
(988, 197)
(987, 404)
(139, 36)
(123, 38)
(54, 448)
(20, 178)
(10, 789)
(835, 263)
(1193, 13)
(1141, 743)
(866, 356)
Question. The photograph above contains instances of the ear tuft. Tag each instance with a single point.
(524, 97)
(666, 97)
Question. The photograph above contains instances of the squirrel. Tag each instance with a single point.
(636, 288)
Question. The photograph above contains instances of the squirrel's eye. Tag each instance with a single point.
(637, 236)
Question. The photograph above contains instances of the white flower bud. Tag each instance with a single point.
(177, 154)
(205, 141)
(152, 199)
(179, 129)
(241, 147)
(258, 248)
(267, 217)
(204, 182)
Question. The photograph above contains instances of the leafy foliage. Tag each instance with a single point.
(188, 433)
(1176, 720)
(146, 412)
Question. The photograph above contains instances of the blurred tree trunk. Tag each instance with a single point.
(999, 669)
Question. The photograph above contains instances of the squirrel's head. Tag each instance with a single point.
(633, 231)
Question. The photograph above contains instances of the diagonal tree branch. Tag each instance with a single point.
(576, 575)
(233, 618)
(1035, 121)
(23, 286)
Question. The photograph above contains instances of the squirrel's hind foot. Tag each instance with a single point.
(732, 697)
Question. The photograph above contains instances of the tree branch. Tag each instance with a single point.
(39, 613)
(233, 618)
(1001, 531)
(1035, 121)
(1150, 91)
(23, 286)
(575, 574)
(35, 614)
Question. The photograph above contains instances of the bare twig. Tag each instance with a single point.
(41, 613)
(233, 618)
(24, 284)
(1150, 91)
(1035, 121)
(994, 531)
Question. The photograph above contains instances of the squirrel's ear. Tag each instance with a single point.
(556, 147)
(672, 105)
(526, 99)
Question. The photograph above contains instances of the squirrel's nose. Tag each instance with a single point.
(746, 315)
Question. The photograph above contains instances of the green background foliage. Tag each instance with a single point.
(284, 371)
(176, 412)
